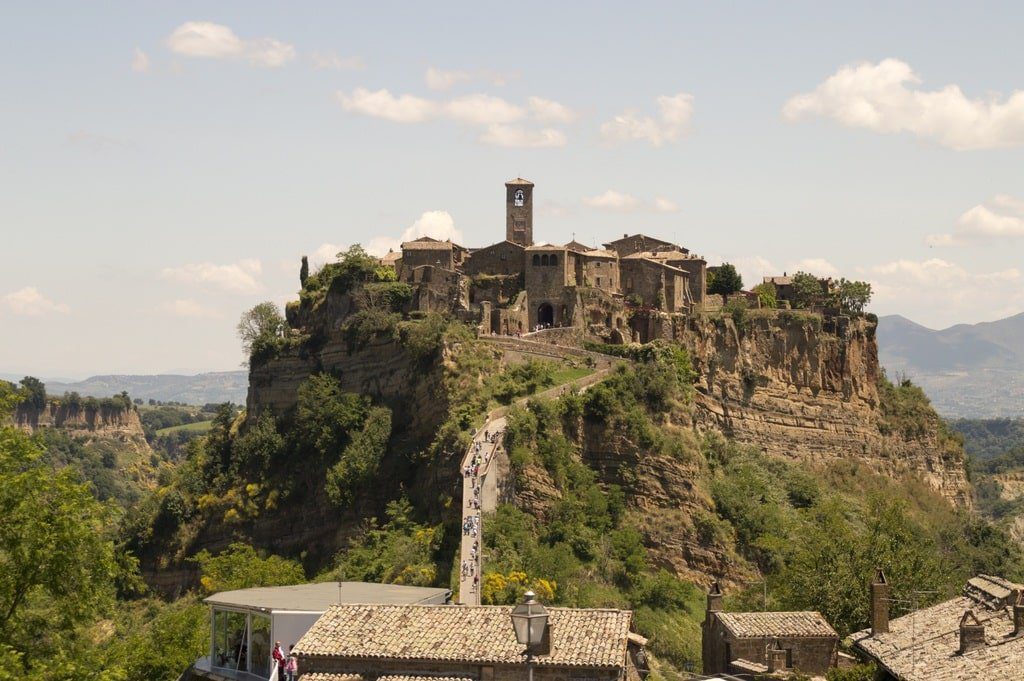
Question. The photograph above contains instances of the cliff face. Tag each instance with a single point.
(796, 391)
(383, 369)
(80, 419)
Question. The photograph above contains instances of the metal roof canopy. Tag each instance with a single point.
(320, 596)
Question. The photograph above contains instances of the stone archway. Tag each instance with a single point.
(546, 315)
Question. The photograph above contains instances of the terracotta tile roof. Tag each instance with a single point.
(406, 677)
(600, 253)
(776, 624)
(578, 247)
(481, 635)
(431, 245)
(924, 645)
(320, 676)
(521, 181)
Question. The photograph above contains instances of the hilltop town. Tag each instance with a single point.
(518, 285)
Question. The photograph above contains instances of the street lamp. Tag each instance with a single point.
(530, 622)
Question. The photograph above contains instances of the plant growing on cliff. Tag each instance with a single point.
(403, 551)
(33, 392)
(261, 331)
(767, 295)
(361, 457)
(853, 296)
(807, 290)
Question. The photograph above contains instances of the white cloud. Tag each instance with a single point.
(674, 114)
(483, 110)
(1001, 218)
(329, 61)
(752, 268)
(325, 253)
(441, 80)
(239, 277)
(816, 266)
(215, 41)
(382, 104)
(548, 111)
(663, 205)
(140, 61)
(437, 224)
(29, 302)
(882, 97)
(946, 291)
(188, 308)
(613, 200)
(622, 202)
(515, 136)
(494, 114)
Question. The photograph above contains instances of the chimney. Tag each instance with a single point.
(714, 599)
(1018, 615)
(776, 658)
(972, 632)
(879, 604)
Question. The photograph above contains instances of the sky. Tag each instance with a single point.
(164, 166)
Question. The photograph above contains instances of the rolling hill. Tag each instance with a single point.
(219, 386)
(968, 370)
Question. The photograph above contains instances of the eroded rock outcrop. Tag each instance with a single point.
(801, 392)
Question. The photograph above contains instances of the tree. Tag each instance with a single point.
(304, 271)
(853, 295)
(726, 280)
(260, 329)
(767, 295)
(57, 564)
(361, 458)
(806, 290)
(241, 567)
(33, 392)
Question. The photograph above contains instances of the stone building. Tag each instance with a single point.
(748, 644)
(471, 643)
(977, 636)
(428, 251)
(519, 212)
(516, 285)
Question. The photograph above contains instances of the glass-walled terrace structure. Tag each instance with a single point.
(244, 624)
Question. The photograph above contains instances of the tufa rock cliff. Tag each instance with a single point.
(797, 390)
(81, 418)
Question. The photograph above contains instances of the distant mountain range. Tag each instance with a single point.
(220, 386)
(968, 370)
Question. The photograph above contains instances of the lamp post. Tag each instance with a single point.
(530, 623)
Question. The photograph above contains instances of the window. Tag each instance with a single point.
(554, 259)
(536, 260)
(597, 264)
(520, 197)
(544, 260)
(599, 281)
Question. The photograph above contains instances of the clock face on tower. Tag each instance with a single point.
(519, 197)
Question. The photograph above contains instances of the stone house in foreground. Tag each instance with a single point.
(977, 636)
(752, 644)
(385, 642)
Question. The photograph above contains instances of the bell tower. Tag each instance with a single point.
(519, 211)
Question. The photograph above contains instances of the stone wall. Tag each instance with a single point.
(547, 284)
(503, 257)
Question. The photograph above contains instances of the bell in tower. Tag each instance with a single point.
(519, 211)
